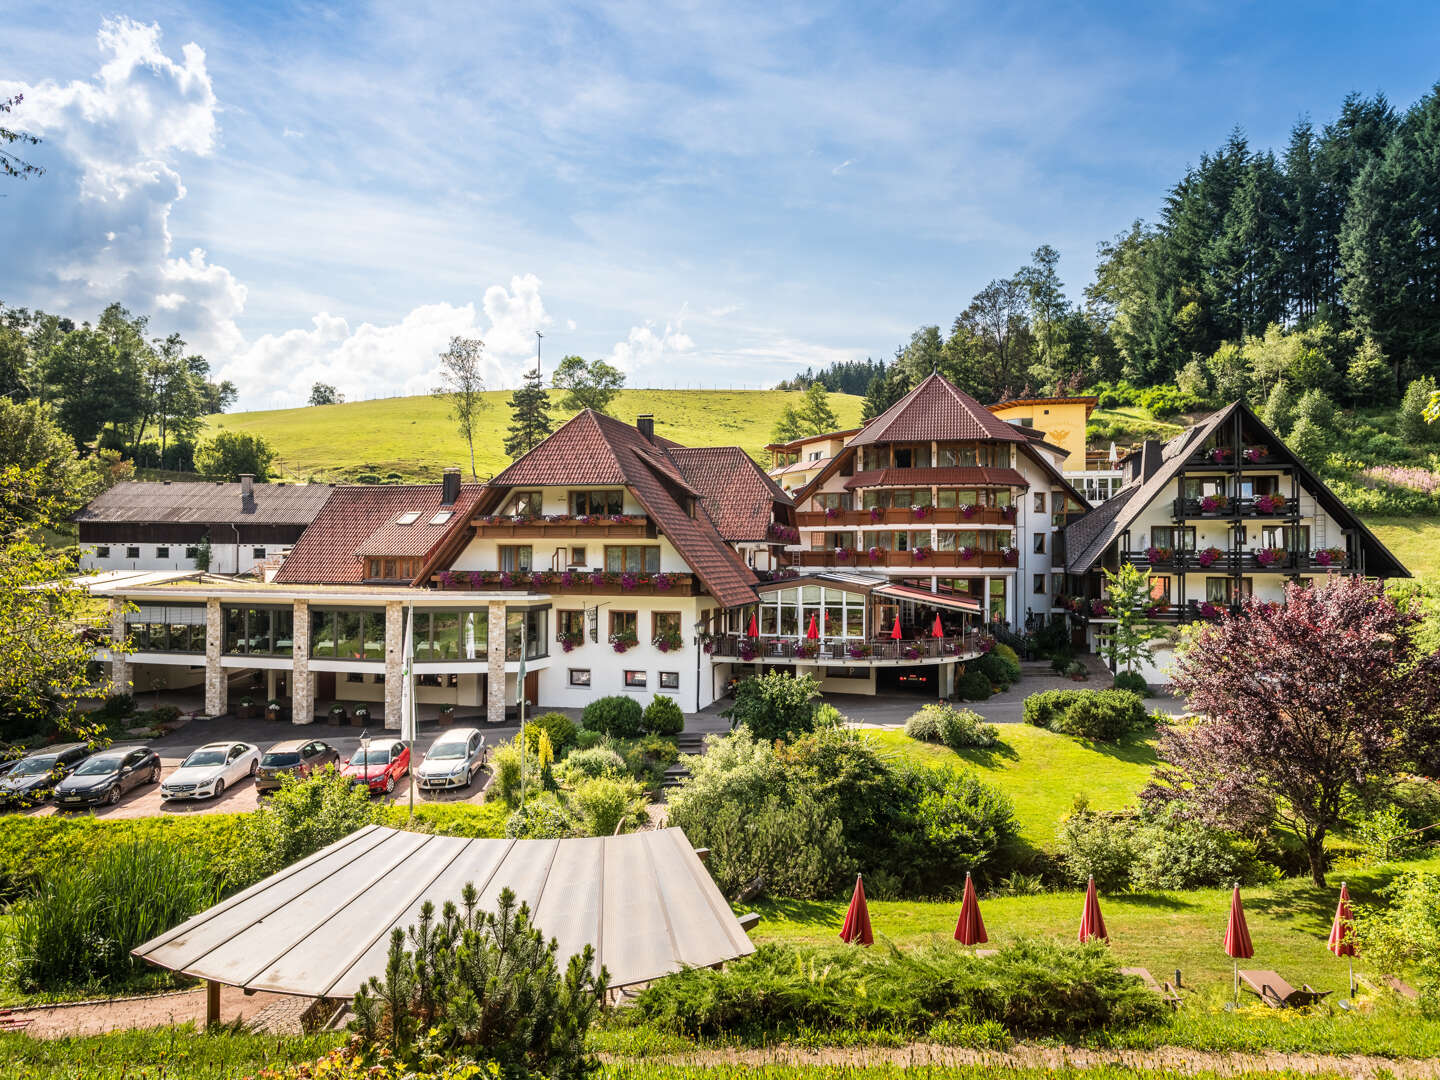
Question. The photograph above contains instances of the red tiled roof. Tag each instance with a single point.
(935, 410)
(950, 474)
(360, 520)
(586, 449)
(737, 494)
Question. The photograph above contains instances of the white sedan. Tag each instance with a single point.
(206, 772)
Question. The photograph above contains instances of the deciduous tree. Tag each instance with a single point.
(324, 394)
(232, 453)
(1128, 642)
(462, 387)
(587, 386)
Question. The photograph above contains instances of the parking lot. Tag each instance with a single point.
(145, 800)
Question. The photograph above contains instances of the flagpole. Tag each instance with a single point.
(520, 697)
(413, 719)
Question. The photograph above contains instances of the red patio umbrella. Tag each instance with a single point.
(754, 626)
(857, 919)
(895, 630)
(1237, 936)
(1342, 933)
(814, 632)
(970, 929)
(937, 630)
(1092, 923)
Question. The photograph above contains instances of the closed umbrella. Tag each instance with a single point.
(937, 630)
(970, 929)
(1342, 933)
(754, 626)
(814, 632)
(1237, 936)
(857, 919)
(895, 630)
(1092, 923)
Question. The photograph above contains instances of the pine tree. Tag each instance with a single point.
(530, 407)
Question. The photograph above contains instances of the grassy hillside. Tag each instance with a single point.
(414, 437)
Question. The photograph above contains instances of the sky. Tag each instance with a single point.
(706, 195)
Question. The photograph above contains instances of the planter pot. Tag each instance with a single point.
(337, 718)
(359, 720)
(275, 712)
(447, 717)
(1077, 678)
(247, 712)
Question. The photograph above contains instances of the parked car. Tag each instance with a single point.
(452, 760)
(210, 769)
(35, 775)
(379, 766)
(106, 776)
(296, 757)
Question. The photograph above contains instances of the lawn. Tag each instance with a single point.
(1415, 541)
(414, 437)
(1044, 773)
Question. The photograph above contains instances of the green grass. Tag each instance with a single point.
(413, 436)
(1043, 772)
(174, 1053)
(1415, 541)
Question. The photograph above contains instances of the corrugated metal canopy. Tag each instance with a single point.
(321, 928)
(954, 601)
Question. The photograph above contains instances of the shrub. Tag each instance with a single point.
(1172, 852)
(1043, 706)
(972, 685)
(1315, 406)
(1309, 442)
(78, 928)
(997, 671)
(507, 764)
(541, 817)
(603, 803)
(1007, 655)
(585, 739)
(1103, 715)
(925, 724)
(116, 707)
(956, 728)
(1101, 845)
(828, 716)
(663, 716)
(1385, 834)
(596, 762)
(1410, 420)
(1406, 933)
(558, 726)
(1132, 681)
(776, 705)
(302, 817)
(615, 715)
(1029, 988)
(486, 983)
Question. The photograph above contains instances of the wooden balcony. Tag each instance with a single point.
(558, 526)
(840, 652)
(1274, 507)
(1227, 458)
(861, 560)
(934, 515)
(569, 582)
(1248, 561)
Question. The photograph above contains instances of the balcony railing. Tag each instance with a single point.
(840, 651)
(1232, 508)
(582, 582)
(1224, 457)
(1254, 560)
(1191, 611)
(619, 526)
(932, 515)
(863, 560)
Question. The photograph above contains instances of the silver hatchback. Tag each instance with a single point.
(452, 760)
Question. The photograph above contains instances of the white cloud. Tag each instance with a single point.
(646, 352)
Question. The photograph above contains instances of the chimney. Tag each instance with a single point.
(450, 486)
(1141, 464)
(247, 486)
(646, 423)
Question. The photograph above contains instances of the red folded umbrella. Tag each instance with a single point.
(754, 626)
(814, 632)
(1237, 937)
(1342, 933)
(895, 632)
(857, 919)
(970, 929)
(937, 630)
(1092, 923)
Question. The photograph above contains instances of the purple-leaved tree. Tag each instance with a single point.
(1300, 707)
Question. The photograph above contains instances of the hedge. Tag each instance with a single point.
(1105, 715)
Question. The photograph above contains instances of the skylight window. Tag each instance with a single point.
(442, 517)
(408, 518)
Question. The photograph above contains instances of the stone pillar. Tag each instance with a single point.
(985, 602)
(302, 683)
(394, 662)
(217, 687)
(120, 674)
(495, 670)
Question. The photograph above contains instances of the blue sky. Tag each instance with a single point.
(706, 195)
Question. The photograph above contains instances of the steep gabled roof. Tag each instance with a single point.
(1086, 540)
(202, 503)
(936, 410)
(361, 520)
(590, 448)
(736, 493)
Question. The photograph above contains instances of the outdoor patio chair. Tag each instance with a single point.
(1277, 993)
(1167, 992)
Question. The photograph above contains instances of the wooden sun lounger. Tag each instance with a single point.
(1167, 992)
(1400, 986)
(1277, 993)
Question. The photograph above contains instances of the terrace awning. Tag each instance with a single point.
(321, 928)
(951, 601)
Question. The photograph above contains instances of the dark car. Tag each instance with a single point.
(104, 777)
(294, 758)
(36, 774)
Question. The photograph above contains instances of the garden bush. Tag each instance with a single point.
(1404, 934)
(1098, 845)
(924, 724)
(540, 817)
(615, 715)
(1033, 989)
(586, 739)
(1009, 660)
(647, 759)
(972, 685)
(997, 671)
(299, 819)
(828, 716)
(557, 725)
(1102, 715)
(1162, 851)
(603, 803)
(776, 705)
(956, 728)
(78, 927)
(663, 716)
(1132, 681)
(596, 762)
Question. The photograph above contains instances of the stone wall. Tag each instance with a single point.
(394, 663)
(217, 686)
(495, 672)
(302, 683)
(120, 675)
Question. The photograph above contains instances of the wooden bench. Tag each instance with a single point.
(1168, 993)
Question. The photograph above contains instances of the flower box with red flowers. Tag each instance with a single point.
(919, 513)
(1158, 555)
(1268, 504)
(1271, 556)
(746, 651)
(1220, 455)
(875, 554)
(843, 554)
(668, 641)
(1208, 610)
(910, 652)
(1007, 513)
(831, 513)
(858, 651)
(968, 554)
(807, 650)
(1209, 557)
(968, 511)
(920, 554)
(876, 514)
(1212, 504)
(1329, 557)
(1099, 607)
(1012, 556)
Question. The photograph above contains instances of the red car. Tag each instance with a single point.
(380, 766)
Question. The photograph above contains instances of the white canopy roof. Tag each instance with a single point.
(321, 928)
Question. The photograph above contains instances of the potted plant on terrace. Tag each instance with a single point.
(337, 714)
(1213, 504)
(1268, 504)
(807, 650)
(1270, 556)
(919, 513)
(920, 554)
(1333, 556)
(1209, 557)
(274, 710)
(910, 652)
(447, 714)
(1159, 555)
(360, 716)
(246, 709)
(746, 650)
(858, 650)
(1220, 455)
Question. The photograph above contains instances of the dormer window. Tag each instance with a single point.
(408, 518)
(391, 569)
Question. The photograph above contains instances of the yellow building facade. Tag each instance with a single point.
(1062, 419)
